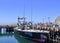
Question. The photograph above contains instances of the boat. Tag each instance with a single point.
(27, 30)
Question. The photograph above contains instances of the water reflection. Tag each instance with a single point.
(7, 38)
(3, 30)
(10, 37)
(22, 40)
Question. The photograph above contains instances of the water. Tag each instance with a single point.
(10, 37)
(7, 39)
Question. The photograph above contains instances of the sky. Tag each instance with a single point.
(11, 9)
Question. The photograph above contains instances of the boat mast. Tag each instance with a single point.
(31, 13)
(31, 17)
(22, 19)
(24, 13)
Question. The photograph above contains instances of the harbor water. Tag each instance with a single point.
(11, 37)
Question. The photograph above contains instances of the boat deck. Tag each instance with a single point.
(32, 30)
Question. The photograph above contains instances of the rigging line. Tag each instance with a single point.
(31, 10)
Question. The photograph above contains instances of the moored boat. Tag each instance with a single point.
(25, 31)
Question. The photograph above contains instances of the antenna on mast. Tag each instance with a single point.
(43, 19)
(48, 19)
